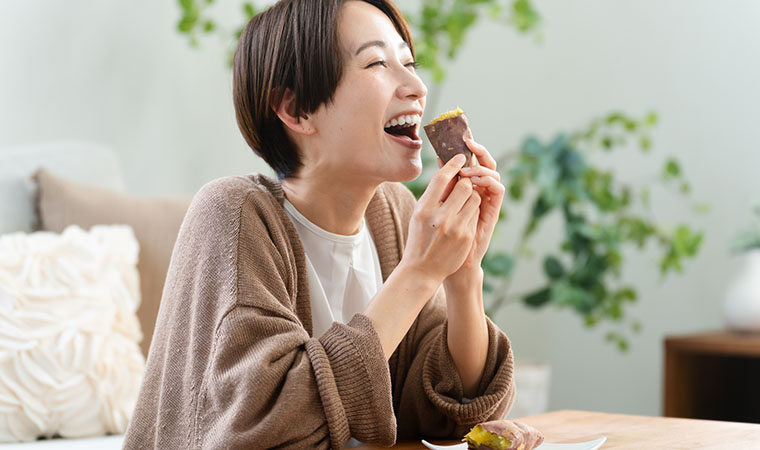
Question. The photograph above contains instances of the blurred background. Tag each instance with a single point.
(122, 75)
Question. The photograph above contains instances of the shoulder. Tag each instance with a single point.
(230, 193)
(221, 201)
(218, 208)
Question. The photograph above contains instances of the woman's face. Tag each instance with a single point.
(379, 85)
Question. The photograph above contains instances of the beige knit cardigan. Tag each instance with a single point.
(233, 363)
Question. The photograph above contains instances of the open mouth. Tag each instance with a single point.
(408, 130)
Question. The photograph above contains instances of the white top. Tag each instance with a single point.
(344, 271)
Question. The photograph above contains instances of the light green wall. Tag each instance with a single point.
(118, 73)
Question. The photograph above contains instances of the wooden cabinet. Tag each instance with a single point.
(713, 376)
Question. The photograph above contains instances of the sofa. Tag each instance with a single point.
(53, 185)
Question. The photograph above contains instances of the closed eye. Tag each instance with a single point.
(413, 64)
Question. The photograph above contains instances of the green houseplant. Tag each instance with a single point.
(559, 178)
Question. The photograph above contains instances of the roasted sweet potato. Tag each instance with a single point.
(503, 435)
(445, 133)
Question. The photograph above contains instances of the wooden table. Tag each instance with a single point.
(627, 432)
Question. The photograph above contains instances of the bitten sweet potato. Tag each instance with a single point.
(503, 435)
(445, 133)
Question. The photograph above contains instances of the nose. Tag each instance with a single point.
(411, 86)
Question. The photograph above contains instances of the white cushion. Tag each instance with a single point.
(70, 364)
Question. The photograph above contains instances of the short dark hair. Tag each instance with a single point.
(293, 45)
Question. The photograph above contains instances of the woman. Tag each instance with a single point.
(328, 305)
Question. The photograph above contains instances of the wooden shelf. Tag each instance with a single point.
(713, 375)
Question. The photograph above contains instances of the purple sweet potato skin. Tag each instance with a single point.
(521, 435)
(446, 137)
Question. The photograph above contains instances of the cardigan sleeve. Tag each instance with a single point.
(428, 392)
(427, 389)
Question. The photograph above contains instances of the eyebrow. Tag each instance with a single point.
(381, 44)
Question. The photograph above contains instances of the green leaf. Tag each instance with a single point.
(619, 340)
(579, 298)
(186, 24)
(524, 16)
(626, 294)
(188, 21)
(208, 26)
(249, 9)
(684, 243)
(672, 169)
(532, 147)
(515, 191)
(417, 186)
(540, 208)
(553, 268)
(645, 142)
(614, 118)
(651, 119)
(686, 240)
(498, 264)
(538, 298)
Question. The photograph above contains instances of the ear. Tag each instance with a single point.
(283, 102)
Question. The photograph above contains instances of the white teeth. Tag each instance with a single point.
(404, 120)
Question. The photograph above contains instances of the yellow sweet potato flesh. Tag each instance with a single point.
(447, 115)
(478, 437)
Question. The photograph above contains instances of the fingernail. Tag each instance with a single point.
(460, 159)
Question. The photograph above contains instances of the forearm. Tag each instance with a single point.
(396, 306)
(467, 330)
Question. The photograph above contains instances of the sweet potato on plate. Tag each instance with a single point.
(503, 435)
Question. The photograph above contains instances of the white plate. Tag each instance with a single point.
(589, 445)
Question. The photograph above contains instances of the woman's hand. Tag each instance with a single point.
(443, 225)
(487, 184)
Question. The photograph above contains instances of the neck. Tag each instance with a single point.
(334, 205)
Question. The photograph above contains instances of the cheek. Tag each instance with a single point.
(367, 94)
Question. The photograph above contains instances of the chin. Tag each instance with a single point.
(411, 170)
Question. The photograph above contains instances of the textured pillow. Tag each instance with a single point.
(155, 221)
(70, 363)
